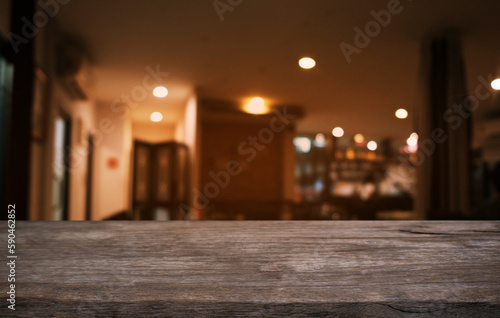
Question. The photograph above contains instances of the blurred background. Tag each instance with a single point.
(250, 110)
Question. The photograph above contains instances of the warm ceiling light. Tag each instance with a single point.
(156, 117)
(412, 141)
(359, 138)
(401, 113)
(303, 144)
(350, 154)
(307, 63)
(256, 106)
(160, 91)
(338, 132)
(320, 140)
(371, 145)
(495, 84)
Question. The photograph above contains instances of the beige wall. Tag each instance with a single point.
(83, 120)
(80, 112)
(187, 132)
(192, 137)
(153, 132)
(111, 184)
(82, 115)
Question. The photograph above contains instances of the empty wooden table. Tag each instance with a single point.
(257, 269)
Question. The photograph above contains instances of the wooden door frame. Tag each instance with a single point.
(18, 172)
(90, 169)
(174, 200)
(66, 158)
(135, 203)
(5, 55)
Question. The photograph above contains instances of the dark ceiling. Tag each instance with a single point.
(255, 49)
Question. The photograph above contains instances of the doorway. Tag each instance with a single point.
(60, 168)
(161, 180)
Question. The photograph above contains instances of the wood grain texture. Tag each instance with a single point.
(257, 269)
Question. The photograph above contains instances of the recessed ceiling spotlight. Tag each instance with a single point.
(160, 91)
(495, 84)
(156, 117)
(257, 106)
(401, 113)
(371, 145)
(338, 132)
(307, 63)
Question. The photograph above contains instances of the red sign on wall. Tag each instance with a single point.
(113, 163)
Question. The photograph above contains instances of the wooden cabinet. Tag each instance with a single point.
(161, 180)
(347, 181)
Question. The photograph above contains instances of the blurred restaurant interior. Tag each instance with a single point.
(250, 110)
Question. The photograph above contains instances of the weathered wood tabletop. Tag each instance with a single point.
(257, 269)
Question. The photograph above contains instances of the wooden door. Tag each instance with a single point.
(160, 180)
